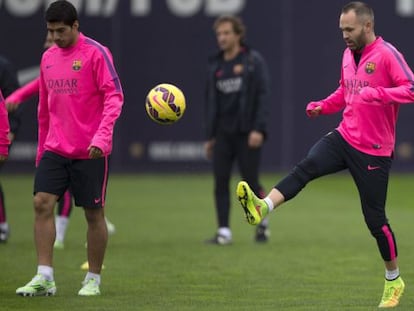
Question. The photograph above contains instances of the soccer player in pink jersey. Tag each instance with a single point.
(80, 99)
(65, 204)
(4, 131)
(375, 80)
(8, 83)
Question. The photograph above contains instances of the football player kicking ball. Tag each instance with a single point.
(375, 80)
(80, 99)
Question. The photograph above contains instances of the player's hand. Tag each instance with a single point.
(95, 152)
(209, 147)
(369, 94)
(255, 139)
(314, 109)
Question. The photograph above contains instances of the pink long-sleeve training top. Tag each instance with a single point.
(24, 93)
(80, 99)
(4, 128)
(369, 126)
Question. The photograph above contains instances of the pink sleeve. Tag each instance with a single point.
(43, 117)
(4, 128)
(402, 78)
(334, 102)
(24, 93)
(109, 84)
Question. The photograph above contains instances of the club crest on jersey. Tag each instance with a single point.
(77, 65)
(370, 67)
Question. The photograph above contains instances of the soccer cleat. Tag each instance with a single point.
(262, 233)
(38, 286)
(90, 288)
(219, 239)
(255, 209)
(4, 235)
(58, 245)
(393, 291)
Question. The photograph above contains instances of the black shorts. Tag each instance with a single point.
(86, 178)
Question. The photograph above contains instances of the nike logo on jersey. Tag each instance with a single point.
(371, 168)
(97, 200)
(48, 66)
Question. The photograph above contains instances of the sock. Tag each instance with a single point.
(46, 271)
(4, 226)
(224, 231)
(391, 275)
(95, 276)
(269, 203)
(61, 223)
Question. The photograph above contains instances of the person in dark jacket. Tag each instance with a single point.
(8, 83)
(237, 103)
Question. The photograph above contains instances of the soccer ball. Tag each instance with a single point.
(165, 104)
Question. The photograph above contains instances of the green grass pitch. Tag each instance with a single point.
(320, 255)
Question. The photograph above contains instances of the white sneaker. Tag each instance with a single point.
(220, 239)
(90, 288)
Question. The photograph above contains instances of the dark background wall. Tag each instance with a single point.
(170, 40)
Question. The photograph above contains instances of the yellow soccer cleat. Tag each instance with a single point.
(393, 291)
(255, 209)
(38, 286)
(89, 288)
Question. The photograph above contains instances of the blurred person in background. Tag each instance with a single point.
(75, 142)
(8, 83)
(375, 80)
(237, 107)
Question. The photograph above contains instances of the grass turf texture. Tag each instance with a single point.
(320, 255)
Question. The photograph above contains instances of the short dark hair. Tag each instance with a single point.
(237, 23)
(361, 9)
(61, 11)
